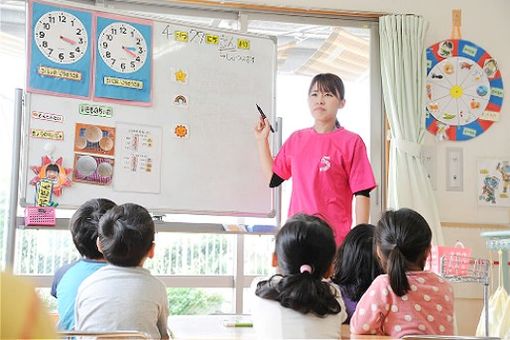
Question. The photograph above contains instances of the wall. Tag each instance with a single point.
(488, 27)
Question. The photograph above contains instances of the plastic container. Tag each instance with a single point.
(40, 216)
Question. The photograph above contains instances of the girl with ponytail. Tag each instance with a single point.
(406, 300)
(297, 302)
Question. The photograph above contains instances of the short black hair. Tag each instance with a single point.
(126, 234)
(52, 167)
(84, 224)
(356, 264)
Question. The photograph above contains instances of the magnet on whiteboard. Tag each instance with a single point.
(181, 100)
(179, 75)
(181, 131)
(49, 148)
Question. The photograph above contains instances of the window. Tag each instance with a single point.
(213, 268)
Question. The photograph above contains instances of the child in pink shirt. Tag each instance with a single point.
(328, 164)
(406, 300)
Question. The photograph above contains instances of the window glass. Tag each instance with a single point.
(193, 254)
(192, 301)
(258, 250)
(303, 51)
(181, 301)
(12, 59)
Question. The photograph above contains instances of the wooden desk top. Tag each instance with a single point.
(346, 334)
(212, 327)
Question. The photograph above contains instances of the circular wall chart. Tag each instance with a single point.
(464, 90)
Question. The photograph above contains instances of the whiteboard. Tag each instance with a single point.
(203, 153)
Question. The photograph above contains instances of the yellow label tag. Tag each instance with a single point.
(181, 36)
(129, 83)
(43, 194)
(47, 134)
(243, 44)
(59, 73)
(212, 39)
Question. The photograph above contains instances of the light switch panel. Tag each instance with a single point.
(454, 169)
(428, 157)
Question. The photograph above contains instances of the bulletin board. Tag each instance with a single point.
(160, 113)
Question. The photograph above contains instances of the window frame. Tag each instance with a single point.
(243, 13)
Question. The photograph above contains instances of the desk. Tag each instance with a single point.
(211, 327)
(346, 334)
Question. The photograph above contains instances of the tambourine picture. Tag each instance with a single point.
(464, 90)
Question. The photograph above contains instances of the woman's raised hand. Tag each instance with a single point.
(262, 129)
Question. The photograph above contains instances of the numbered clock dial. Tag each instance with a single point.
(122, 47)
(61, 37)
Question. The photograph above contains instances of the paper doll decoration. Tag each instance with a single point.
(53, 171)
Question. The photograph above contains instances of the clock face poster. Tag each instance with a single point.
(123, 60)
(59, 50)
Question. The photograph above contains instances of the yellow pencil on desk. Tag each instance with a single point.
(237, 323)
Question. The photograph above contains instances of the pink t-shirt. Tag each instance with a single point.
(326, 169)
(426, 309)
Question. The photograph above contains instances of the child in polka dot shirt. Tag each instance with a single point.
(406, 300)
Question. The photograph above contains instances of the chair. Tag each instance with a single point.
(103, 335)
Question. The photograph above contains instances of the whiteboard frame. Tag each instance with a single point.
(275, 138)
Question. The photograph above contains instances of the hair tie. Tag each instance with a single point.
(305, 268)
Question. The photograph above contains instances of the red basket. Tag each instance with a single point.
(39, 216)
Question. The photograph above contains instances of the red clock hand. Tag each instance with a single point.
(72, 42)
(131, 53)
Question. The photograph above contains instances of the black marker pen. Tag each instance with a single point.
(264, 117)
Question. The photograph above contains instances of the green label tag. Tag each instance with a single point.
(470, 50)
(96, 110)
(469, 132)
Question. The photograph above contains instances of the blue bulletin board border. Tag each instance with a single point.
(105, 92)
(58, 85)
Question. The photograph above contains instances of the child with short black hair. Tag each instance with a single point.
(406, 300)
(124, 296)
(356, 266)
(83, 226)
(298, 302)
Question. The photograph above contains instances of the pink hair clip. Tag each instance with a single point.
(305, 268)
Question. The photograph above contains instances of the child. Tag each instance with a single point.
(23, 314)
(328, 164)
(356, 266)
(406, 300)
(123, 295)
(83, 226)
(298, 302)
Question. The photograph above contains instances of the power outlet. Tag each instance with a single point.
(454, 169)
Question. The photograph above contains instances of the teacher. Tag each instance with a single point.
(328, 164)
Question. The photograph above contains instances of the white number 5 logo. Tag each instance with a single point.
(325, 163)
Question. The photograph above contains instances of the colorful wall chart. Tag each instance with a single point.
(494, 182)
(464, 90)
(124, 59)
(60, 50)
